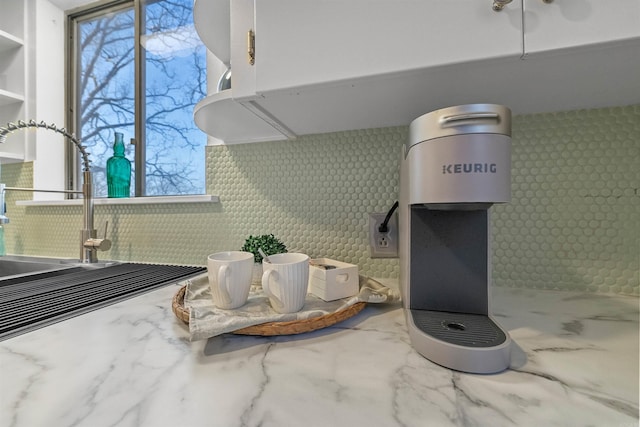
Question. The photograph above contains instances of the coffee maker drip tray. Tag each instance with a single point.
(463, 329)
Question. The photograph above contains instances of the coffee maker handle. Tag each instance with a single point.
(448, 120)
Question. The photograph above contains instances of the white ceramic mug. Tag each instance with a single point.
(230, 278)
(285, 281)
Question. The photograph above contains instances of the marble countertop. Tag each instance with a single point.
(574, 363)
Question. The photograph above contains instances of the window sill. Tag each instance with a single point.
(199, 198)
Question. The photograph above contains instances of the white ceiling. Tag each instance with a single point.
(70, 4)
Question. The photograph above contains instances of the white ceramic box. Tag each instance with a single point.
(331, 280)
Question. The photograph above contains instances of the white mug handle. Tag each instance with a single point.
(223, 284)
(267, 290)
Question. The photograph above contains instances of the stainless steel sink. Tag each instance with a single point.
(35, 292)
(18, 266)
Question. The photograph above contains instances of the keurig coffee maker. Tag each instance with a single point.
(456, 164)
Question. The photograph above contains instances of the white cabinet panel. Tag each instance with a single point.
(563, 24)
(306, 42)
(243, 74)
(212, 21)
(221, 117)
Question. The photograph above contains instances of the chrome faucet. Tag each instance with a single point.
(89, 241)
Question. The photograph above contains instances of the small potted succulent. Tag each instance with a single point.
(269, 244)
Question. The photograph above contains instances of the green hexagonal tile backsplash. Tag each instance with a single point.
(573, 223)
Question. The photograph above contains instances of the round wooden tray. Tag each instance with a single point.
(275, 328)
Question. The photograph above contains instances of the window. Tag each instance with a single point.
(138, 67)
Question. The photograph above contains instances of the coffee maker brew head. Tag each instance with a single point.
(460, 156)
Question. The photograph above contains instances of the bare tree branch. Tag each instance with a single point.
(173, 84)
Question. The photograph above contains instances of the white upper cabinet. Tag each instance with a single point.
(562, 24)
(333, 65)
(319, 64)
(300, 43)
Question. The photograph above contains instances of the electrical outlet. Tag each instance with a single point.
(383, 245)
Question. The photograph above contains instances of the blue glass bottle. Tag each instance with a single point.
(3, 248)
(118, 170)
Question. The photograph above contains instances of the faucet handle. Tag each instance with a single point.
(99, 244)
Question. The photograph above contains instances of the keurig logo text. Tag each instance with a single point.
(469, 168)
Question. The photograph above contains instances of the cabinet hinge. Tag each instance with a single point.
(251, 47)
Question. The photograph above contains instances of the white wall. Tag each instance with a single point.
(47, 73)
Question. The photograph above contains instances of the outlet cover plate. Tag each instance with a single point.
(383, 245)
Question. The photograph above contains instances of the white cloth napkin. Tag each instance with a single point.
(206, 320)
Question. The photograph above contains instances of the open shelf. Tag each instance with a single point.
(9, 41)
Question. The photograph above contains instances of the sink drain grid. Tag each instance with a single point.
(40, 301)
